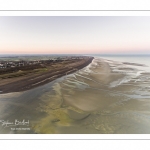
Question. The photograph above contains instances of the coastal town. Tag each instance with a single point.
(4, 64)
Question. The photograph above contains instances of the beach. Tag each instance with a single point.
(105, 97)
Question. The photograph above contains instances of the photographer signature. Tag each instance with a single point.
(15, 123)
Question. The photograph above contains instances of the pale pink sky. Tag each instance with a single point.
(74, 35)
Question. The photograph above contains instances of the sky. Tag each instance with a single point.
(74, 35)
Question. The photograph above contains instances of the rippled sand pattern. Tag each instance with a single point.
(104, 97)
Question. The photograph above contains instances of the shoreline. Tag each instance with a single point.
(89, 101)
(29, 82)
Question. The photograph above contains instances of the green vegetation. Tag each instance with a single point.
(22, 73)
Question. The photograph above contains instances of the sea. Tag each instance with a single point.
(109, 96)
(141, 59)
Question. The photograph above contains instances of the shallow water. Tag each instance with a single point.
(107, 96)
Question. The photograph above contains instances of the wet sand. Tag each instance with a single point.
(98, 99)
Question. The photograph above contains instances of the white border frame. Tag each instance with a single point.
(75, 136)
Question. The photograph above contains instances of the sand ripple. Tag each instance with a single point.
(104, 97)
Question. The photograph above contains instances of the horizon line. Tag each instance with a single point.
(81, 54)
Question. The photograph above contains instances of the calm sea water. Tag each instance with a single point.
(143, 59)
